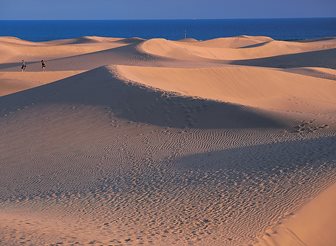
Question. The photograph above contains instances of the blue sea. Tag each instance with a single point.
(282, 29)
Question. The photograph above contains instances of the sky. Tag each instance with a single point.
(163, 9)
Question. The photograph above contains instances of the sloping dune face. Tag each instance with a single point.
(254, 87)
(320, 211)
(156, 142)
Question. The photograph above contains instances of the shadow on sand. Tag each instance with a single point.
(102, 87)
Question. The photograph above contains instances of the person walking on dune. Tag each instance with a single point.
(43, 65)
(23, 66)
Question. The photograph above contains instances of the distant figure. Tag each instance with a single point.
(43, 65)
(23, 66)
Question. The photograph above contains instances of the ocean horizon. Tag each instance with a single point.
(202, 29)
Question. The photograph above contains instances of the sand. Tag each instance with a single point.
(229, 141)
(11, 82)
(312, 225)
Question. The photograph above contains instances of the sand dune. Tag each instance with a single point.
(91, 52)
(240, 48)
(228, 141)
(15, 40)
(17, 50)
(127, 54)
(235, 42)
(254, 87)
(156, 107)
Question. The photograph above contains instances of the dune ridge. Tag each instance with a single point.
(157, 107)
(271, 90)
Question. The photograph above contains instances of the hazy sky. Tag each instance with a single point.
(164, 9)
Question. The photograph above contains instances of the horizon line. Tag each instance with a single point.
(168, 19)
